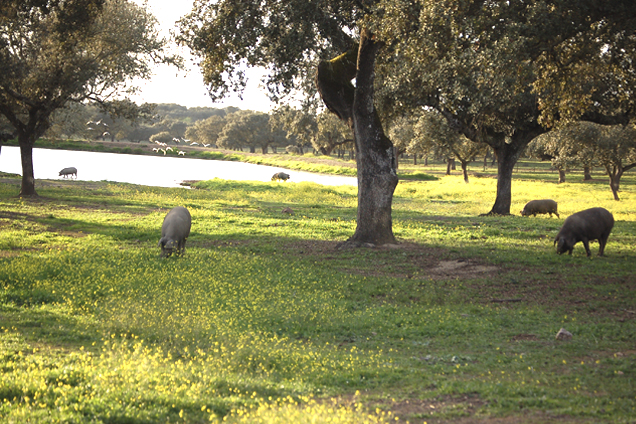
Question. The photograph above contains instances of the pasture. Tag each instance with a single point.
(265, 320)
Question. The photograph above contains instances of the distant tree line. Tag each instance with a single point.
(424, 134)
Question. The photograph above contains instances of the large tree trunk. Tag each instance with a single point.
(449, 166)
(375, 159)
(415, 159)
(587, 174)
(507, 158)
(26, 155)
(507, 155)
(377, 177)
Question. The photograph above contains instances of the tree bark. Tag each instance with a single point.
(374, 153)
(375, 159)
(465, 170)
(615, 175)
(587, 174)
(561, 176)
(449, 166)
(26, 156)
(506, 160)
(415, 159)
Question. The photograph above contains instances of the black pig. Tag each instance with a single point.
(590, 224)
(534, 207)
(174, 231)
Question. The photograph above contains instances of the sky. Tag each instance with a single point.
(168, 85)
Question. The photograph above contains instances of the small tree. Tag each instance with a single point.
(331, 133)
(614, 149)
(564, 149)
(401, 132)
(434, 134)
(206, 131)
(299, 124)
(162, 137)
(583, 143)
(53, 53)
(247, 128)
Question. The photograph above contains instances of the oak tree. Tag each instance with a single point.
(611, 147)
(492, 68)
(290, 38)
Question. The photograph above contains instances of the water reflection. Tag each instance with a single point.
(157, 171)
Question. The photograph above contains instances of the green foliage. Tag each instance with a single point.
(265, 320)
(248, 129)
(299, 127)
(283, 37)
(74, 51)
(331, 132)
(162, 137)
(206, 131)
(588, 144)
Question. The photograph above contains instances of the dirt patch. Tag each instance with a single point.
(464, 409)
(461, 268)
(463, 405)
(524, 337)
(89, 185)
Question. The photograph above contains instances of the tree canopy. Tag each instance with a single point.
(487, 67)
(500, 72)
(287, 37)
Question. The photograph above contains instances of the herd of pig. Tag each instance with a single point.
(585, 226)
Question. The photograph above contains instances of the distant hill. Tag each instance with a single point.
(190, 115)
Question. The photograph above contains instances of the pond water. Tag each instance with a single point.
(161, 171)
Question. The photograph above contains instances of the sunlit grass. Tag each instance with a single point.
(264, 320)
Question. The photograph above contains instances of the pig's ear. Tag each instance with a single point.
(161, 243)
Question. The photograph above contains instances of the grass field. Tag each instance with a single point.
(265, 320)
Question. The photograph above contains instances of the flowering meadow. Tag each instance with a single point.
(265, 320)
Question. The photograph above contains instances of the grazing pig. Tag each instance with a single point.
(534, 207)
(590, 224)
(174, 231)
(280, 176)
(68, 171)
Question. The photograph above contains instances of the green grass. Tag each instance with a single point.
(265, 320)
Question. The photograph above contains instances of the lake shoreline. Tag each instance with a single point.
(153, 170)
(327, 166)
(308, 163)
